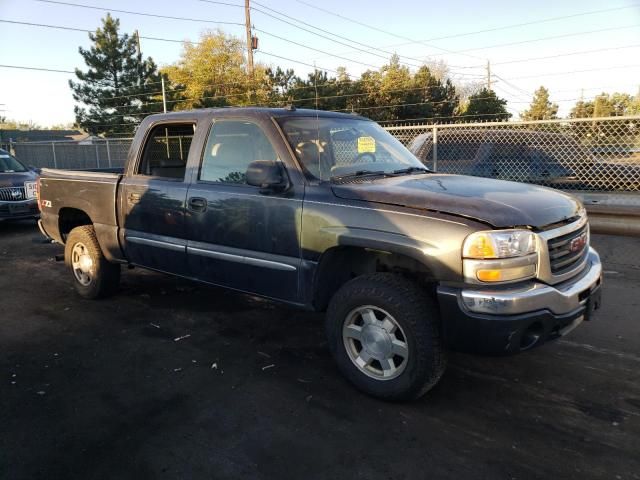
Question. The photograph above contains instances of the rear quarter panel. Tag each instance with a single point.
(90, 192)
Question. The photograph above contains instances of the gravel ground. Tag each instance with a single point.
(175, 380)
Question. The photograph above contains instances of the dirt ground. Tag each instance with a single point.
(175, 380)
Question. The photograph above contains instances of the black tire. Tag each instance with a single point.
(417, 315)
(104, 275)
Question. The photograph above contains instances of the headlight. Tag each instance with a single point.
(499, 244)
(500, 256)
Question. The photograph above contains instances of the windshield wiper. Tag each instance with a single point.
(360, 173)
(411, 170)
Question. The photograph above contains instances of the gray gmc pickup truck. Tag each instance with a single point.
(328, 211)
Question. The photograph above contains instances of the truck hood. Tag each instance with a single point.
(16, 179)
(499, 203)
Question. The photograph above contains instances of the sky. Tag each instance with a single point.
(604, 47)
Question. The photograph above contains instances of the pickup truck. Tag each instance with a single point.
(329, 212)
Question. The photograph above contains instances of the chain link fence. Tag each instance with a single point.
(589, 155)
(97, 154)
(592, 155)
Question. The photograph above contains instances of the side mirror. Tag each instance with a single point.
(266, 174)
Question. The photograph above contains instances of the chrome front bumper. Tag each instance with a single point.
(559, 299)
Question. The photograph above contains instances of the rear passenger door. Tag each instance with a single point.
(239, 235)
(152, 200)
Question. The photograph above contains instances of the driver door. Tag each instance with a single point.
(239, 235)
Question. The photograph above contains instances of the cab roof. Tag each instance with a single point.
(258, 112)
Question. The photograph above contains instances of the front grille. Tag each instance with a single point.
(12, 194)
(566, 251)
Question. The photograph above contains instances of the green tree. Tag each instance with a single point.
(486, 105)
(118, 85)
(541, 107)
(214, 73)
(634, 105)
(606, 105)
(582, 109)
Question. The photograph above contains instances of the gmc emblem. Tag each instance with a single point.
(578, 243)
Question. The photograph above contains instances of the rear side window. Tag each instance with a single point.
(232, 146)
(166, 151)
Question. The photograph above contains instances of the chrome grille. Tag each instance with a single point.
(566, 251)
(12, 194)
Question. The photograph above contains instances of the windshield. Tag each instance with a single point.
(8, 164)
(329, 148)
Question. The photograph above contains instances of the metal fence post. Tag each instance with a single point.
(435, 148)
(53, 149)
(108, 154)
(97, 156)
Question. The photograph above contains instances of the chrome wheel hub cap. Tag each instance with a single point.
(375, 342)
(82, 264)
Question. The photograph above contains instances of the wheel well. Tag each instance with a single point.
(340, 264)
(70, 218)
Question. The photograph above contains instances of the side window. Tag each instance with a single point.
(166, 151)
(232, 146)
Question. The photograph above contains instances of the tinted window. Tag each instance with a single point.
(166, 151)
(232, 146)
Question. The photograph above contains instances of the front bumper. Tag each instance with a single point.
(18, 210)
(516, 318)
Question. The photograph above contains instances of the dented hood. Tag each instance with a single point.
(496, 202)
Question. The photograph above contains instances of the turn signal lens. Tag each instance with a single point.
(489, 275)
(505, 274)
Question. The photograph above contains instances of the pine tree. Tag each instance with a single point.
(541, 108)
(486, 105)
(118, 85)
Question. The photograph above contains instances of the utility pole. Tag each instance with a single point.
(488, 75)
(139, 50)
(137, 35)
(247, 20)
(164, 95)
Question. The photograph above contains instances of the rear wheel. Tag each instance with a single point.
(94, 276)
(383, 332)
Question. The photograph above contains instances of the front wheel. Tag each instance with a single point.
(384, 334)
(93, 275)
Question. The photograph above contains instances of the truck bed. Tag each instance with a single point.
(94, 193)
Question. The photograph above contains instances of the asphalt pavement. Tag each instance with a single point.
(171, 379)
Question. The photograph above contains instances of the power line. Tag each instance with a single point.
(316, 49)
(60, 27)
(222, 3)
(377, 29)
(523, 24)
(368, 49)
(540, 39)
(55, 70)
(129, 12)
(582, 52)
(42, 69)
(296, 25)
(615, 67)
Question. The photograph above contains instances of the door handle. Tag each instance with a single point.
(197, 204)
(133, 198)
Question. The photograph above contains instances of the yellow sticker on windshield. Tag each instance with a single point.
(366, 145)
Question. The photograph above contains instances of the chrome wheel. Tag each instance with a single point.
(82, 264)
(375, 342)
